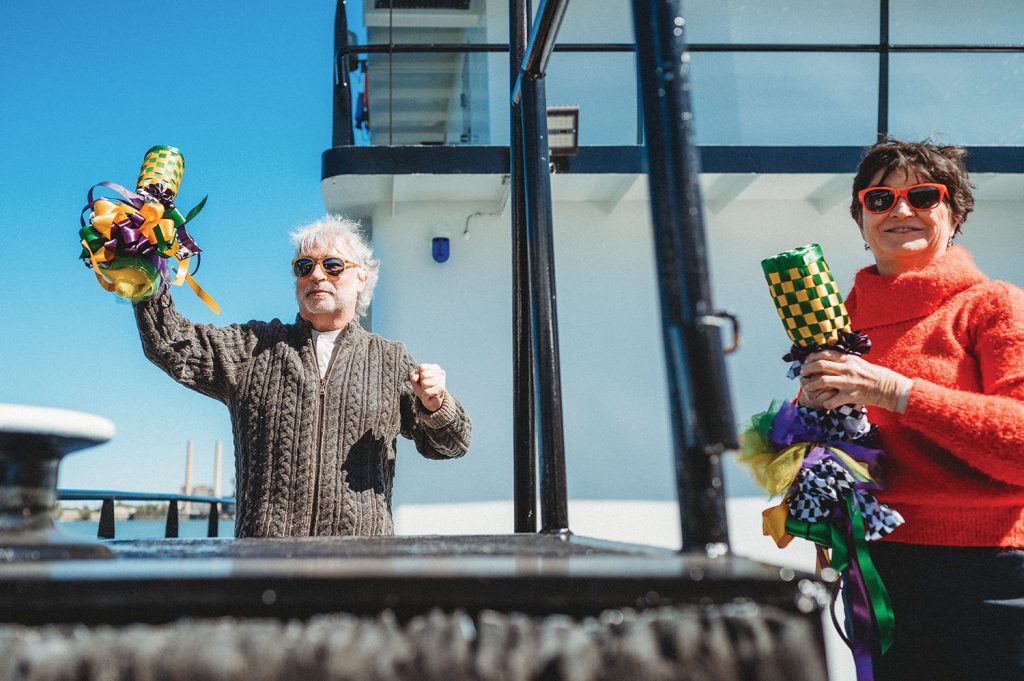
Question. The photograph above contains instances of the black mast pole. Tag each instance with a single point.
(701, 405)
(342, 134)
(523, 402)
(532, 151)
(883, 70)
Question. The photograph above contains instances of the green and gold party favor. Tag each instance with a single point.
(806, 296)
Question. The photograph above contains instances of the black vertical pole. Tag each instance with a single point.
(532, 151)
(883, 69)
(701, 405)
(171, 528)
(537, 176)
(212, 521)
(342, 134)
(523, 402)
(106, 529)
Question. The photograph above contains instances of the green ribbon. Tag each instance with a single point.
(163, 246)
(827, 535)
(881, 605)
(180, 222)
(797, 257)
(762, 421)
(192, 213)
(91, 237)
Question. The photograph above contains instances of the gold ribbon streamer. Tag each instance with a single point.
(773, 524)
(778, 475)
(203, 295)
(107, 286)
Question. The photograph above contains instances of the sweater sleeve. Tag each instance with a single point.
(443, 434)
(985, 429)
(206, 358)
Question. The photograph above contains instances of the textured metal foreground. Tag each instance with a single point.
(733, 642)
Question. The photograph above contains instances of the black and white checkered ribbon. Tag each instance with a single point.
(819, 490)
(848, 422)
(881, 519)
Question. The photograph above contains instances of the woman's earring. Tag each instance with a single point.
(868, 248)
(950, 242)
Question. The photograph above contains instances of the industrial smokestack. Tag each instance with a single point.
(217, 458)
(188, 468)
(186, 508)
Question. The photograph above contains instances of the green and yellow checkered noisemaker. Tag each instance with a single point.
(163, 165)
(806, 296)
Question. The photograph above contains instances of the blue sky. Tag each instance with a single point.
(244, 90)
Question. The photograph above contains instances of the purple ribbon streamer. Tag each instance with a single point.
(187, 242)
(129, 196)
(818, 453)
(788, 429)
(861, 618)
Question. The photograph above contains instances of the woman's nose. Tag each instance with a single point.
(902, 208)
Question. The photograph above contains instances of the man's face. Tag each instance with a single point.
(323, 297)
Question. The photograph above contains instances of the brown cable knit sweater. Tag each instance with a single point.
(312, 456)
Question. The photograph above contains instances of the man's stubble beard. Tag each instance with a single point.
(336, 301)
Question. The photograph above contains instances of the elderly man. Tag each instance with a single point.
(316, 406)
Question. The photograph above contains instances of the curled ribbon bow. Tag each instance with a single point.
(137, 245)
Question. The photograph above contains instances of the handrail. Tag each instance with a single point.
(107, 529)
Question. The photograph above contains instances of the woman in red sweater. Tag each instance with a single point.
(945, 376)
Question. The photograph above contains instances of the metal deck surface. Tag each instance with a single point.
(161, 580)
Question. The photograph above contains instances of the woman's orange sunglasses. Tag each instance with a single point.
(923, 196)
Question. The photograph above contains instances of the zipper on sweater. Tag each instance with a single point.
(321, 400)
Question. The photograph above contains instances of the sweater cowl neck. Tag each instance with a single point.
(877, 299)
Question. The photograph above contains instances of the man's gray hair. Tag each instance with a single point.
(345, 237)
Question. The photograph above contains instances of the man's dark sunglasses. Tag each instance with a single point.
(332, 266)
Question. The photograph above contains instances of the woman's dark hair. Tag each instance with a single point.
(931, 162)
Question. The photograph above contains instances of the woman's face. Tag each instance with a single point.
(905, 239)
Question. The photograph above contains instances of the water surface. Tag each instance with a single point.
(146, 529)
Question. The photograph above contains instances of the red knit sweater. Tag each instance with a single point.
(954, 461)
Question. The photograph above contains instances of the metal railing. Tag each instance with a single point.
(343, 122)
(344, 53)
(107, 528)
